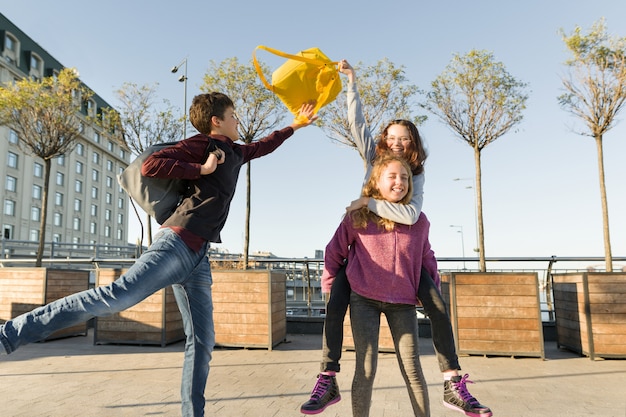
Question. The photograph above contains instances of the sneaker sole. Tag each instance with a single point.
(467, 413)
(333, 401)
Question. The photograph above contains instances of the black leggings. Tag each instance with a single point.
(434, 307)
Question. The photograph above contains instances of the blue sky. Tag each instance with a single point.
(540, 183)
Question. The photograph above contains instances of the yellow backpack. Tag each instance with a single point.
(308, 76)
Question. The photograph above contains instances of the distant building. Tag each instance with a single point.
(85, 202)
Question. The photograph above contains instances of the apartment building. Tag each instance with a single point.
(85, 203)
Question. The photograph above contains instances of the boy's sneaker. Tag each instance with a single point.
(457, 397)
(325, 393)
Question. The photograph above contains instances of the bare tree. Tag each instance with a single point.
(385, 95)
(259, 111)
(48, 115)
(595, 90)
(480, 101)
(143, 123)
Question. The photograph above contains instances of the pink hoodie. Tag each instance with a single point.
(384, 266)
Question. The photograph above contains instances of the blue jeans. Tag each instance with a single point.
(167, 262)
(402, 318)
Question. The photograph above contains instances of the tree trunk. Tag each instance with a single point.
(44, 213)
(482, 265)
(246, 241)
(605, 208)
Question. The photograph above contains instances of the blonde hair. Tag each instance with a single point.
(361, 217)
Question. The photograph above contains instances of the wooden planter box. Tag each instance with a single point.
(249, 308)
(385, 340)
(24, 289)
(495, 313)
(154, 321)
(590, 312)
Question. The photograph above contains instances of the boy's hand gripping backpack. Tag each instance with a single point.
(158, 197)
(308, 76)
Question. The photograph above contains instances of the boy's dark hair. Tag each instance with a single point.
(204, 107)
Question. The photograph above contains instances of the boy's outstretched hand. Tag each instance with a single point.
(305, 116)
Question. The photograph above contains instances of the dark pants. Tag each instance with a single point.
(434, 307)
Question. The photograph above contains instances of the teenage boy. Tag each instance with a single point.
(178, 255)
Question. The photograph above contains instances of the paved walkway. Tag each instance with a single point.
(72, 377)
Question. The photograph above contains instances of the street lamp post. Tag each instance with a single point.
(473, 188)
(183, 79)
(462, 242)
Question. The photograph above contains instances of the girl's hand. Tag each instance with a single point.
(345, 68)
(357, 204)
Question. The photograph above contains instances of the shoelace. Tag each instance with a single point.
(321, 387)
(463, 392)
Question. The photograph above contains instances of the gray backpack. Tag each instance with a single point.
(158, 197)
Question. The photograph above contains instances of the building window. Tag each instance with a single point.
(109, 198)
(94, 210)
(12, 159)
(58, 219)
(111, 146)
(120, 218)
(76, 223)
(11, 49)
(80, 149)
(13, 138)
(78, 186)
(109, 165)
(77, 204)
(94, 192)
(56, 238)
(7, 231)
(109, 182)
(61, 160)
(91, 108)
(96, 158)
(9, 207)
(35, 214)
(93, 228)
(95, 175)
(79, 167)
(38, 170)
(36, 66)
(60, 178)
(120, 234)
(37, 192)
(96, 138)
(34, 235)
(58, 199)
(107, 231)
(120, 203)
(107, 215)
(11, 184)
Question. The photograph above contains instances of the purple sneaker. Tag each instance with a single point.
(457, 397)
(325, 393)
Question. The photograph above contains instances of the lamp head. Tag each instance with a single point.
(174, 69)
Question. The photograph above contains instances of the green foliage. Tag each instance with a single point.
(45, 113)
(477, 98)
(258, 109)
(595, 88)
(385, 95)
